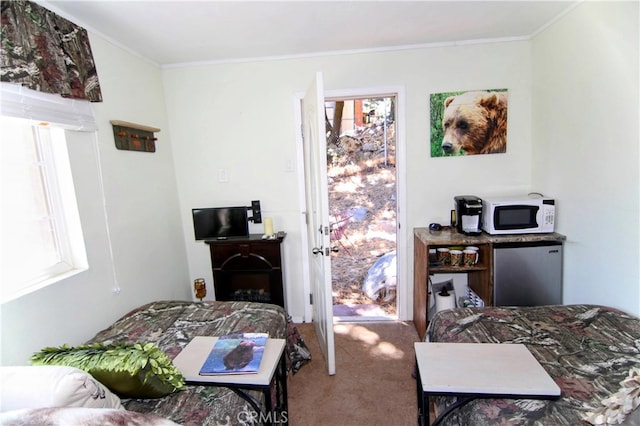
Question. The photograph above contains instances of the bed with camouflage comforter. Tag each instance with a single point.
(588, 350)
(172, 324)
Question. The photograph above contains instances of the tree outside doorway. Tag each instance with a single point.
(361, 168)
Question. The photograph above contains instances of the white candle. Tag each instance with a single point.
(268, 226)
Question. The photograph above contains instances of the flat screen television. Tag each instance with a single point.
(220, 223)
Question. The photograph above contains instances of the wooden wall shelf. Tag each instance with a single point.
(134, 137)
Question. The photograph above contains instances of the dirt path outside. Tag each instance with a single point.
(362, 203)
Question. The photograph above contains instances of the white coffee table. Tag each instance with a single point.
(272, 368)
(478, 370)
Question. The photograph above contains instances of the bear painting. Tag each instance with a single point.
(469, 123)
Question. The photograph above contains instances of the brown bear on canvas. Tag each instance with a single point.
(475, 122)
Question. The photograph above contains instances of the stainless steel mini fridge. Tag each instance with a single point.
(527, 274)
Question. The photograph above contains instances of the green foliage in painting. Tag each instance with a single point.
(436, 113)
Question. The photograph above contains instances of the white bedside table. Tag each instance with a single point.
(273, 368)
(478, 370)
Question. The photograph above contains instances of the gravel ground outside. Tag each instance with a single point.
(362, 204)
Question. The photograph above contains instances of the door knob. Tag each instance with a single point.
(335, 249)
(316, 250)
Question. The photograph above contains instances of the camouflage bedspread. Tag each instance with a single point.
(172, 325)
(588, 350)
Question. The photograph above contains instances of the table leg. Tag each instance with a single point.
(244, 395)
(459, 403)
(268, 406)
(282, 389)
(278, 413)
(423, 400)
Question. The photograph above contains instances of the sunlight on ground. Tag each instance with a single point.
(362, 200)
(387, 214)
(385, 175)
(379, 348)
(349, 187)
(381, 234)
(355, 237)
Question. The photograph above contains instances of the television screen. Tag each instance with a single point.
(220, 222)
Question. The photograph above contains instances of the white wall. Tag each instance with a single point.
(240, 117)
(577, 83)
(586, 140)
(143, 220)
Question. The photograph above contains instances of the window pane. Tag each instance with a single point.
(29, 242)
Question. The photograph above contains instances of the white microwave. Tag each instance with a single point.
(518, 215)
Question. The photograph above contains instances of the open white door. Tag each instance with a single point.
(317, 212)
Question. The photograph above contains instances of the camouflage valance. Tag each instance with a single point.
(46, 52)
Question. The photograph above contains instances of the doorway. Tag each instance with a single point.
(362, 187)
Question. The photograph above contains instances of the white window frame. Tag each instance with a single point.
(58, 115)
(64, 219)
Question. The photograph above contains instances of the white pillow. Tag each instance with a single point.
(80, 416)
(52, 386)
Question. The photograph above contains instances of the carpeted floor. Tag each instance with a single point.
(372, 385)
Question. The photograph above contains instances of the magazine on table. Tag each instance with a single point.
(238, 353)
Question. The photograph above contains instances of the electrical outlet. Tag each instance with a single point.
(288, 166)
(223, 176)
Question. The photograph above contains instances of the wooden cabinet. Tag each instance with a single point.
(479, 276)
(248, 269)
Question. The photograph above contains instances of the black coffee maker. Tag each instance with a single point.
(468, 217)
